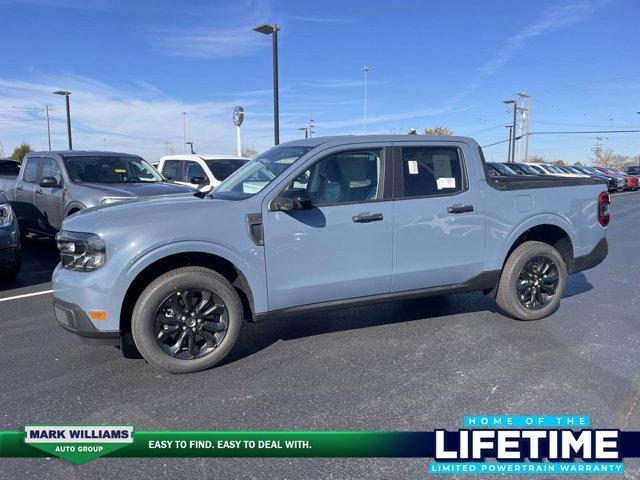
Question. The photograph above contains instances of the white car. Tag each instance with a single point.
(206, 171)
(547, 169)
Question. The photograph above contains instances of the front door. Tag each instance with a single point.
(26, 184)
(49, 200)
(341, 248)
(439, 236)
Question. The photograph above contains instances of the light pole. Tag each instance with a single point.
(306, 131)
(272, 30)
(512, 142)
(366, 74)
(510, 127)
(184, 130)
(46, 112)
(191, 147)
(66, 96)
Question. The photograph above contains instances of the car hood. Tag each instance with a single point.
(136, 212)
(134, 190)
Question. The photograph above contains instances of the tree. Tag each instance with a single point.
(20, 151)
(438, 130)
(248, 152)
(577, 164)
(537, 159)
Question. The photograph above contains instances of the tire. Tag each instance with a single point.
(145, 326)
(11, 272)
(528, 255)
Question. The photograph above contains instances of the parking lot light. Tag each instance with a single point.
(66, 95)
(267, 29)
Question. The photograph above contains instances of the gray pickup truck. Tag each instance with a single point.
(53, 185)
(318, 224)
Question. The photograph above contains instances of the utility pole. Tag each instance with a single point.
(46, 112)
(310, 127)
(524, 125)
(598, 148)
(510, 127)
(184, 130)
(168, 148)
(366, 74)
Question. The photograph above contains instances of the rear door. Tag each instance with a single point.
(26, 185)
(49, 201)
(341, 248)
(439, 227)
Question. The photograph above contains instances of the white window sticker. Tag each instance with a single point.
(442, 166)
(413, 167)
(446, 182)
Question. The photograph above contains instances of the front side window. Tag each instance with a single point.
(345, 177)
(259, 172)
(50, 168)
(192, 170)
(171, 168)
(429, 171)
(111, 169)
(31, 170)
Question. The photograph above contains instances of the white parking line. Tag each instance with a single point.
(44, 292)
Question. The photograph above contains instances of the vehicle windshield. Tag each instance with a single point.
(221, 169)
(259, 172)
(503, 169)
(554, 169)
(111, 169)
(528, 169)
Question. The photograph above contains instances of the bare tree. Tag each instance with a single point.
(248, 152)
(438, 130)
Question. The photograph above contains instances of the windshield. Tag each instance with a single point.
(528, 169)
(554, 169)
(259, 172)
(503, 169)
(221, 169)
(111, 169)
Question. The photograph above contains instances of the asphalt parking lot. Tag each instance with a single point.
(415, 365)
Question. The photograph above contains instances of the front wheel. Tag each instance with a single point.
(532, 281)
(187, 320)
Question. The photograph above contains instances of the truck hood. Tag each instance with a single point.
(134, 190)
(136, 212)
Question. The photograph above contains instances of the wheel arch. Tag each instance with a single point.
(159, 266)
(72, 208)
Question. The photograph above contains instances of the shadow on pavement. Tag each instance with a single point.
(39, 258)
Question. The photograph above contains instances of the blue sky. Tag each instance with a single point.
(133, 67)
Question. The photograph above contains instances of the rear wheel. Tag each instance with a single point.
(187, 320)
(532, 281)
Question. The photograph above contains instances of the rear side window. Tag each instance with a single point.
(9, 168)
(431, 171)
(30, 170)
(170, 169)
(221, 169)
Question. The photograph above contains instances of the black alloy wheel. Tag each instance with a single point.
(538, 283)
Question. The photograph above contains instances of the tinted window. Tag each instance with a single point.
(431, 171)
(221, 169)
(344, 177)
(30, 170)
(170, 169)
(9, 168)
(50, 168)
(193, 169)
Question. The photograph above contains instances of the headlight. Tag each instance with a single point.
(83, 252)
(6, 215)
(109, 200)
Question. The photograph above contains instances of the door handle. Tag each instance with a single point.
(19, 189)
(367, 217)
(460, 209)
(39, 192)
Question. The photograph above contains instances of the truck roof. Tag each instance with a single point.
(203, 156)
(82, 153)
(347, 139)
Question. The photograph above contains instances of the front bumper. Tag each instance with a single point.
(593, 258)
(73, 319)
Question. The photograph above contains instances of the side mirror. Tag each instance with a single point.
(48, 182)
(198, 180)
(292, 199)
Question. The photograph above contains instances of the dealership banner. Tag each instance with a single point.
(487, 445)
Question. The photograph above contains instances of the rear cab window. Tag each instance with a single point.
(171, 169)
(30, 174)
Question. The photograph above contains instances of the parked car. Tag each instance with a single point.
(611, 182)
(351, 220)
(9, 167)
(555, 170)
(54, 185)
(634, 170)
(496, 169)
(624, 181)
(523, 169)
(10, 253)
(204, 171)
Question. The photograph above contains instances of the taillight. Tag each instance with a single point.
(604, 200)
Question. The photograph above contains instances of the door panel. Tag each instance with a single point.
(49, 201)
(339, 249)
(24, 205)
(439, 231)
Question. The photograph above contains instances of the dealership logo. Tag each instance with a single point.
(78, 444)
